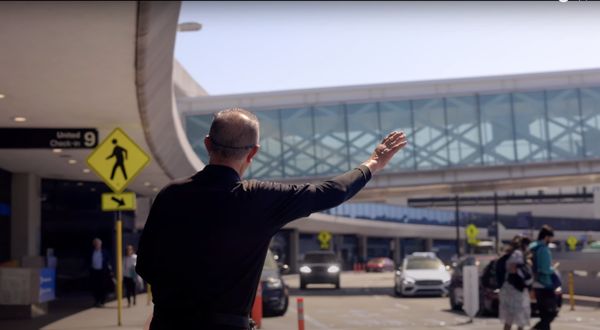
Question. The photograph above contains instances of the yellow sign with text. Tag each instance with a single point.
(118, 202)
(117, 160)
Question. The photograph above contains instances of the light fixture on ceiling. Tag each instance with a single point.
(57, 150)
(86, 170)
(72, 161)
(92, 189)
(79, 184)
(189, 27)
(147, 184)
(155, 189)
(2, 96)
(19, 119)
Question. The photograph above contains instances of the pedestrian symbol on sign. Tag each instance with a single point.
(121, 155)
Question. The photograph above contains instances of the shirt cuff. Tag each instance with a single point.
(366, 172)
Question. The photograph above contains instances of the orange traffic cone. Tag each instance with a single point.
(257, 310)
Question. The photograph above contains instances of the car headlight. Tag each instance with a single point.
(273, 283)
(333, 269)
(305, 270)
(408, 280)
(558, 290)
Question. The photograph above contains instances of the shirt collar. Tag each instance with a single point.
(221, 171)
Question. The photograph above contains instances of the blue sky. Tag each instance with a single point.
(267, 46)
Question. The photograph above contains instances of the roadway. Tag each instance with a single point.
(365, 301)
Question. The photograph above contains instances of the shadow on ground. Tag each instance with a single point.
(57, 310)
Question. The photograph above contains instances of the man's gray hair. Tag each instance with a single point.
(233, 132)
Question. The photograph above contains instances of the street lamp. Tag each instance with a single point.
(189, 27)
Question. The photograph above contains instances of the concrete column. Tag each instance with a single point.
(397, 251)
(362, 247)
(26, 216)
(294, 250)
(338, 243)
(597, 202)
(428, 244)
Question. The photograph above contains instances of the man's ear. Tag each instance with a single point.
(207, 144)
(252, 153)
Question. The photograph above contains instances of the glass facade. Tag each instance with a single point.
(459, 131)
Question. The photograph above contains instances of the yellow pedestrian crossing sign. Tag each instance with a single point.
(118, 202)
(572, 242)
(117, 160)
(472, 232)
(325, 238)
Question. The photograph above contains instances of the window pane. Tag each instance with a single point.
(463, 131)
(496, 129)
(363, 131)
(564, 127)
(298, 142)
(197, 127)
(330, 138)
(530, 121)
(396, 116)
(590, 104)
(429, 136)
(267, 162)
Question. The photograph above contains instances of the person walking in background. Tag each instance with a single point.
(515, 306)
(100, 273)
(129, 274)
(545, 280)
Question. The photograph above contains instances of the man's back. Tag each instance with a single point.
(206, 237)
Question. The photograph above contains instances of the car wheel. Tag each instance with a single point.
(397, 292)
(337, 284)
(282, 311)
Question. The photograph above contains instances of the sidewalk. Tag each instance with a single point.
(134, 317)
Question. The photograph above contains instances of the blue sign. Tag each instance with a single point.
(47, 284)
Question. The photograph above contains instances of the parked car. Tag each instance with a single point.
(489, 301)
(380, 265)
(320, 267)
(275, 293)
(421, 273)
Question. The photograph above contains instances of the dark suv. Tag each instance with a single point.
(320, 267)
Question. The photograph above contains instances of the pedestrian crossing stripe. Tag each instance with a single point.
(117, 160)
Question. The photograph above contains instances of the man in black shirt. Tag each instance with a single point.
(206, 238)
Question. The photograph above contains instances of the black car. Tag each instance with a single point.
(275, 293)
(320, 267)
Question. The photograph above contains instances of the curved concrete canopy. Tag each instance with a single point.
(92, 64)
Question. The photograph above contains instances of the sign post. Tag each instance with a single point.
(117, 161)
(471, 291)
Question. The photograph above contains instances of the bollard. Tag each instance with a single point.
(571, 291)
(300, 303)
(257, 311)
(149, 295)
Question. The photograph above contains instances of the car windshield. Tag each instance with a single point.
(424, 263)
(320, 257)
(270, 262)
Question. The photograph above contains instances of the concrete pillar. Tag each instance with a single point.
(26, 216)
(362, 247)
(428, 244)
(397, 251)
(597, 202)
(294, 250)
(338, 243)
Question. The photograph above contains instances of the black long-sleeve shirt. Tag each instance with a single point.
(206, 238)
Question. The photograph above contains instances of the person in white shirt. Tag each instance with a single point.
(129, 274)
